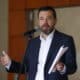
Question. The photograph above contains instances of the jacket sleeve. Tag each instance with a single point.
(16, 67)
(70, 57)
(20, 67)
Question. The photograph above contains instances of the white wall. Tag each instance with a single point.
(3, 33)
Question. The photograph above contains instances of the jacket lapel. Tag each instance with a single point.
(37, 47)
(53, 48)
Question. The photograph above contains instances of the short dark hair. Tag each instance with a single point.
(46, 8)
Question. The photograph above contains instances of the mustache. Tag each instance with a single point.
(45, 25)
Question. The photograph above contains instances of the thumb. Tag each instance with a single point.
(4, 53)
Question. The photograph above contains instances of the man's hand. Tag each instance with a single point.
(5, 59)
(59, 66)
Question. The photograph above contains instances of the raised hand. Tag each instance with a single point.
(4, 59)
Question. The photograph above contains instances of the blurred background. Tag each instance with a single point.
(19, 16)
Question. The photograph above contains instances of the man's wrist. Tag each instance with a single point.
(63, 71)
(8, 65)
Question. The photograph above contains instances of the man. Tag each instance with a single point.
(42, 51)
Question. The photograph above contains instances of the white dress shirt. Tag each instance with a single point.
(43, 52)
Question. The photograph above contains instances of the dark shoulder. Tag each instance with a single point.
(35, 40)
(63, 35)
(63, 38)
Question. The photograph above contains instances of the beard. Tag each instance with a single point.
(46, 29)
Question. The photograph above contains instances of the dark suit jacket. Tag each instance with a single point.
(31, 58)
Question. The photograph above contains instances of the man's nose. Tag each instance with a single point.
(46, 21)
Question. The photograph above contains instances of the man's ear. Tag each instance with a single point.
(55, 22)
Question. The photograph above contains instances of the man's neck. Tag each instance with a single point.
(44, 36)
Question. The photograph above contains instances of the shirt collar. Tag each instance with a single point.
(50, 36)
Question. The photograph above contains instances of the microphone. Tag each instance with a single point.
(31, 31)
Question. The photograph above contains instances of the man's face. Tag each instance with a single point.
(46, 21)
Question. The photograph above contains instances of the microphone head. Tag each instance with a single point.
(36, 28)
(31, 31)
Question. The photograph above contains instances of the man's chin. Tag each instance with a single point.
(47, 32)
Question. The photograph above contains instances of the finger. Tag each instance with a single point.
(4, 53)
(59, 67)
